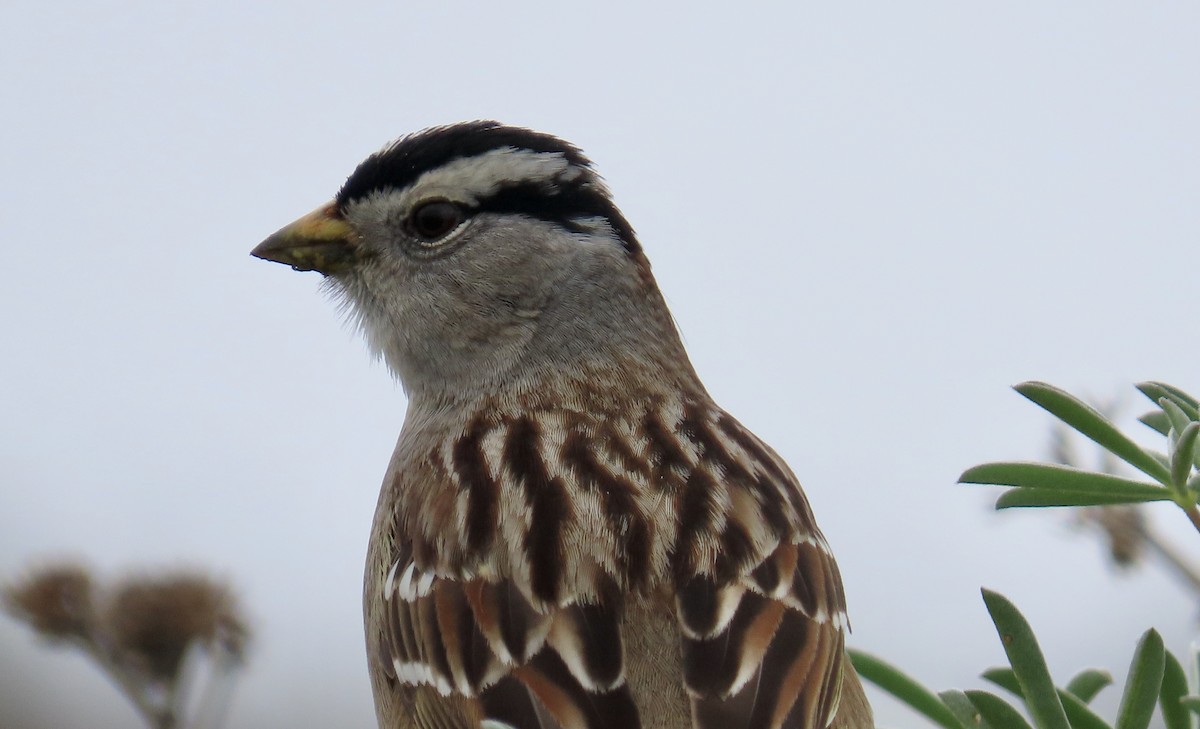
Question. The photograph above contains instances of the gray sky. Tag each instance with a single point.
(870, 219)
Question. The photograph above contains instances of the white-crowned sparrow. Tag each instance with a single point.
(570, 533)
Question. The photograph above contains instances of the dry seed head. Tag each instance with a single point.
(56, 600)
(153, 621)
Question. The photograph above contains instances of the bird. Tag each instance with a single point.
(570, 533)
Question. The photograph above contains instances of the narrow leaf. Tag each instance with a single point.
(1160, 457)
(1174, 686)
(1052, 476)
(1158, 390)
(1184, 400)
(898, 684)
(1087, 683)
(1077, 711)
(1179, 419)
(1191, 703)
(1185, 455)
(1080, 715)
(1005, 678)
(1157, 420)
(1021, 497)
(963, 709)
(998, 712)
(1144, 683)
(1084, 418)
(1027, 661)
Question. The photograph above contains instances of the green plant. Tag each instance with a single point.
(1047, 484)
(1156, 677)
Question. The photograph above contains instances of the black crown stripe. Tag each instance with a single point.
(563, 202)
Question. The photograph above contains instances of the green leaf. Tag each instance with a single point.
(898, 684)
(1084, 418)
(1157, 420)
(1194, 661)
(1081, 717)
(1158, 390)
(1180, 422)
(963, 709)
(1077, 711)
(1027, 661)
(1179, 419)
(1144, 683)
(1005, 678)
(1079, 714)
(1089, 682)
(1174, 686)
(998, 712)
(1181, 398)
(1191, 703)
(1020, 497)
(1184, 455)
(1055, 477)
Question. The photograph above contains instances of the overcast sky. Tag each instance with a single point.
(870, 219)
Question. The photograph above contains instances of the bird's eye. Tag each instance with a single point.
(433, 219)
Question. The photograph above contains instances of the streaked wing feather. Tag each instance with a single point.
(773, 666)
(521, 624)
(509, 702)
(549, 678)
(483, 642)
(764, 648)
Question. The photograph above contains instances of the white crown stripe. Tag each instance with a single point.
(473, 179)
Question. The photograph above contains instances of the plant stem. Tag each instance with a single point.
(1173, 558)
(1194, 514)
(134, 690)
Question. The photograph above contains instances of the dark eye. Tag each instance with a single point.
(432, 220)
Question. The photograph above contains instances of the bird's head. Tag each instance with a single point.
(477, 256)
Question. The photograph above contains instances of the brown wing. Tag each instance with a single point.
(485, 651)
(763, 638)
(507, 606)
(756, 655)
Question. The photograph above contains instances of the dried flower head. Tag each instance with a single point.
(56, 600)
(1126, 531)
(153, 621)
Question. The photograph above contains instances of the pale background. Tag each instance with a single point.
(870, 219)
